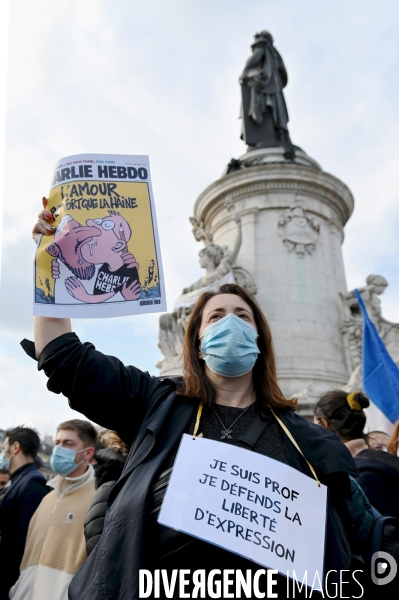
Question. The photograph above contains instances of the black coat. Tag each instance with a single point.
(110, 466)
(379, 478)
(149, 412)
(19, 502)
(94, 521)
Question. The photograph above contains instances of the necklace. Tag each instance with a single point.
(226, 431)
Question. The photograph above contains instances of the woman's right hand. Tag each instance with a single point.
(43, 227)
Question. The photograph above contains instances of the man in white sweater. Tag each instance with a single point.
(55, 546)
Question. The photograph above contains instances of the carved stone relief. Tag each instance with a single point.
(298, 230)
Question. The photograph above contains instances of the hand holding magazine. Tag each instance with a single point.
(102, 258)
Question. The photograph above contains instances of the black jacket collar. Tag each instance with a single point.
(23, 470)
(383, 459)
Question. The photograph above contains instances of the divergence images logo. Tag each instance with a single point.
(383, 568)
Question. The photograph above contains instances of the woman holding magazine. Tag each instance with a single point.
(229, 393)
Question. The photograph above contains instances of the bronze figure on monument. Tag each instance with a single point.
(264, 112)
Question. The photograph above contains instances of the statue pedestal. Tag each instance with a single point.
(293, 215)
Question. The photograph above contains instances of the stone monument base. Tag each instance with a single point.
(293, 215)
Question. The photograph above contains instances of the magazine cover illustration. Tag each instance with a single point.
(103, 259)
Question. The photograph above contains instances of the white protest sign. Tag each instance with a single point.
(247, 503)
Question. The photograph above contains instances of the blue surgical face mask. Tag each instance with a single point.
(4, 462)
(62, 460)
(229, 346)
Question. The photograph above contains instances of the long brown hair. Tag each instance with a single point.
(196, 383)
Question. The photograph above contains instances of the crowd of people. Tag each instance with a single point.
(88, 531)
(50, 530)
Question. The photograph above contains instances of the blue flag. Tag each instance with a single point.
(380, 373)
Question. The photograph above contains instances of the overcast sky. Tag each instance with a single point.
(161, 78)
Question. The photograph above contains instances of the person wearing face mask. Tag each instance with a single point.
(229, 393)
(19, 500)
(55, 546)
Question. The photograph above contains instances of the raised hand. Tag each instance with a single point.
(43, 225)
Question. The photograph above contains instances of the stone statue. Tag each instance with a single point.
(263, 111)
(352, 324)
(375, 286)
(200, 231)
(168, 340)
(217, 262)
